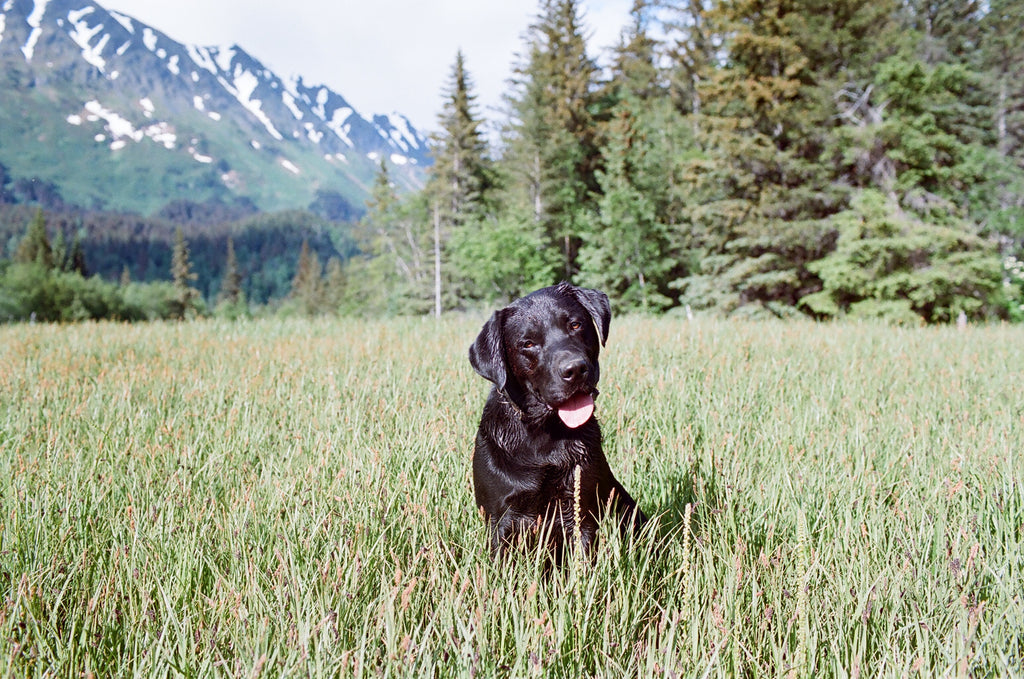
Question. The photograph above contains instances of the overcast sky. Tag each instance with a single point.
(381, 55)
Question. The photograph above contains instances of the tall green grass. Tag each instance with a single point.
(294, 498)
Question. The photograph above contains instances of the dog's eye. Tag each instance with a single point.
(528, 344)
(575, 325)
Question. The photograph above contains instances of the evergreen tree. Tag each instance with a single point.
(334, 287)
(75, 261)
(1003, 58)
(35, 246)
(185, 302)
(231, 283)
(762, 191)
(626, 253)
(890, 264)
(307, 285)
(692, 53)
(59, 252)
(460, 178)
(552, 153)
(460, 175)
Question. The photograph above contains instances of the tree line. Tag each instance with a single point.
(744, 157)
(752, 157)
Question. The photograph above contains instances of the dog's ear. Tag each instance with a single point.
(487, 353)
(597, 305)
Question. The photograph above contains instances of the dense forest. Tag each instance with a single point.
(850, 158)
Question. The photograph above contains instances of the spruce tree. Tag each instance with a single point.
(35, 246)
(461, 173)
(307, 286)
(184, 303)
(460, 178)
(76, 256)
(552, 152)
(231, 283)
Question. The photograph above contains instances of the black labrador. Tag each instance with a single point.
(538, 434)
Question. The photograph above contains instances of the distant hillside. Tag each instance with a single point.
(101, 111)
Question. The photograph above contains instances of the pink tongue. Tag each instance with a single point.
(576, 411)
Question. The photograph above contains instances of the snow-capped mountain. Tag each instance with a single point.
(116, 113)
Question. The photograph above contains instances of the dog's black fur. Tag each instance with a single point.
(540, 352)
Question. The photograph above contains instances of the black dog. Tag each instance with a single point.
(538, 435)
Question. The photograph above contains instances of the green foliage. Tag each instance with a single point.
(504, 257)
(888, 263)
(1013, 288)
(626, 251)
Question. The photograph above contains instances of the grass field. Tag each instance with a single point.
(291, 498)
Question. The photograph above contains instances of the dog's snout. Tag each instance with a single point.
(574, 369)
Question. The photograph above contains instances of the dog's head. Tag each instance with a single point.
(542, 352)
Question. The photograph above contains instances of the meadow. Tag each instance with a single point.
(293, 498)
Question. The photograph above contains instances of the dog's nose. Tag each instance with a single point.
(574, 370)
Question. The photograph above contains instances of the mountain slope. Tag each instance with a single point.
(118, 115)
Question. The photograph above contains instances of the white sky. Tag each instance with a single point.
(381, 55)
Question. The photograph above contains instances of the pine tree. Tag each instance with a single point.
(185, 301)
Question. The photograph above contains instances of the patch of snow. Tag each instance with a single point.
(3, 23)
(289, 101)
(199, 157)
(197, 101)
(314, 134)
(172, 65)
(100, 138)
(118, 144)
(290, 166)
(399, 159)
(123, 48)
(195, 77)
(244, 85)
(337, 124)
(255, 144)
(35, 20)
(149, 39)
(201, 56)
(214, 116)
(147, 107)
(74, 119)
(121, 129)
(224, 57)
(123, 20)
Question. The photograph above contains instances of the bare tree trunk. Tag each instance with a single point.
(437, 262)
